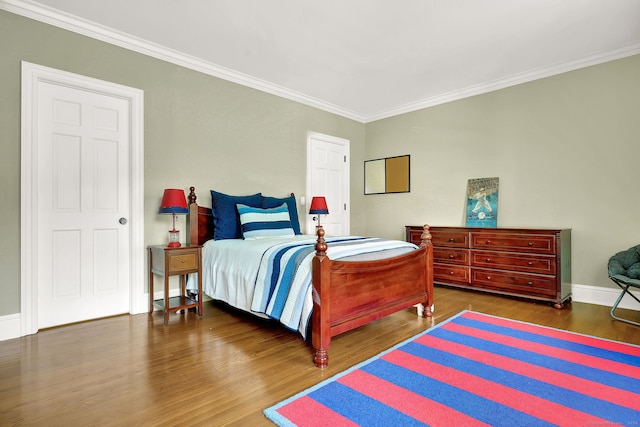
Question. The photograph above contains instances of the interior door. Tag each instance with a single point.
(328, 176)
(83, 186)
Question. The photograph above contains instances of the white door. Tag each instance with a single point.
(83, 140)
(328, 176)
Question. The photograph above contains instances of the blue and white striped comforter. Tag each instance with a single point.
(272, 277)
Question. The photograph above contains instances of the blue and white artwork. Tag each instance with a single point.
(482, 202)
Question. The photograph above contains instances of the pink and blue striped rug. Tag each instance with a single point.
(476, 369)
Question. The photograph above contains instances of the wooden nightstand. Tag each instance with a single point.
(165, 261)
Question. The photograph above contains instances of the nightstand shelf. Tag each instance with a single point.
(180, 261)
(177, 303)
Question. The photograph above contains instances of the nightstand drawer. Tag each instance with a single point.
(183, 262)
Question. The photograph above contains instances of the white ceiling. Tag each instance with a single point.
(363, 59)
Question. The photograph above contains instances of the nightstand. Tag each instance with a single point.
(180, 261)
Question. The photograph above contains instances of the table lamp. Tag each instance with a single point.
(175, 203)
(318, 207)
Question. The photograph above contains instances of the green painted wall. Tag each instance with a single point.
(565, 148)
(199, 130)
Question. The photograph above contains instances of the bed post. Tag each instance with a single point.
(192, 217)
(321, 293)
(192, 195)
(425, 242)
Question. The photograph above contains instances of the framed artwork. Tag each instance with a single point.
(482, 202)
(388, 175)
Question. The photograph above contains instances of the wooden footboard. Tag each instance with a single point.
(348, 294)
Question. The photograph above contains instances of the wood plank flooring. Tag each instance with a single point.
(223, 369)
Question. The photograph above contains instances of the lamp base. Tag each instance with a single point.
(174, 239)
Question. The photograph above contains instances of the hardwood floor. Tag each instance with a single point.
(223, 369)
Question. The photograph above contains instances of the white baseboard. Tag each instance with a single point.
(9, 326)
(603, 296)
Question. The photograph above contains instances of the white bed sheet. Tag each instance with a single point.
(230, 268)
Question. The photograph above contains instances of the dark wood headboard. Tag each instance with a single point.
(199, 221)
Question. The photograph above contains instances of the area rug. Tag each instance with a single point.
(476, 369)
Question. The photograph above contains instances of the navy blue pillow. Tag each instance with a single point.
(226, 221)
(274, 202)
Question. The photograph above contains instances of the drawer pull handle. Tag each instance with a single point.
(530, 243)
(529, 263)
(488, 259)
(488, 277)
(452, 256)
(488, 242)
(530, 283)
(183, 261)
(451, 273)
(452, 239)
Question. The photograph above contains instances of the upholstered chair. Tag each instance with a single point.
(624, 271)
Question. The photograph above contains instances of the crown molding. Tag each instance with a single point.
(91, 29)
(508, 81)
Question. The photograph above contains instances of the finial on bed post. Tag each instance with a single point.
(192, 195)
(321, 245)
(425, 237)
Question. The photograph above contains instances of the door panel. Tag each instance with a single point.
(65, 277)
(83, 190)
(328, 173)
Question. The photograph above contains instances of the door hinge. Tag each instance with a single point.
(345, 159)
(345, 206)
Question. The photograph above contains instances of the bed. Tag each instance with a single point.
(344, 293)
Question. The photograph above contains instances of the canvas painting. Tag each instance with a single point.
(482, 202)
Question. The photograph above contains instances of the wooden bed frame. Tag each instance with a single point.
(349, 294)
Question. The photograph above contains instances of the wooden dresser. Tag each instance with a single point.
(523, 262)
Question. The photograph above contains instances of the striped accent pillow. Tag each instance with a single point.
(257, 222)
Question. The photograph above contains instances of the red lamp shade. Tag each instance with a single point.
(173, 202)
(318, 206)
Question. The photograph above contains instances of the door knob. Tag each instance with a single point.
(122, 220)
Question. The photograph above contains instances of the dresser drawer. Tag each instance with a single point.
(414, 235)
(515, 282)
(448, 238)
(183, 262)
(539, 264)
(451, 256)
(514, 242)
(450, 273)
